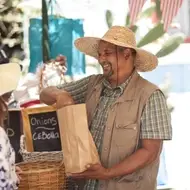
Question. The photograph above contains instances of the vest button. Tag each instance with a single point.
(140, 177)
(101, 186)
(109, 128)
(118, 126)
(105, 149)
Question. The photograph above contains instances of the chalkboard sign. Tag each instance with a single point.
(13, 128)
(41, 129)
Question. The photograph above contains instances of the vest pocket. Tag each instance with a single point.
(125, 139)
(130, 181)
(126, 134)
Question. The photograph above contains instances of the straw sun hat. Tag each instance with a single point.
(120, 36)
(9, 77)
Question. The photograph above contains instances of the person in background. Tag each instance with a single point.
(128, 116)
(9, 174)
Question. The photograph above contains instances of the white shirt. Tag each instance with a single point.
(8, 177)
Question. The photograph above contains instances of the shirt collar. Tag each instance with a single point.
(122, 86)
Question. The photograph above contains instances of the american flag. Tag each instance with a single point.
(135, 7)
(169, 10)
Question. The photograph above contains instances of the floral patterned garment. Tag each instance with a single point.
(8, 177)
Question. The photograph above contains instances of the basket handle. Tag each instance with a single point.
(62, 163)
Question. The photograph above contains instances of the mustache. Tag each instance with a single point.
(105, 62)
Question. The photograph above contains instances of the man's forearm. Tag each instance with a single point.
(139, 159)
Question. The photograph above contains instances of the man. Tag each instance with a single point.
(127, 115)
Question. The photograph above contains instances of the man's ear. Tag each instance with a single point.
(127, 53)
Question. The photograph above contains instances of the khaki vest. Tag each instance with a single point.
(121, 136)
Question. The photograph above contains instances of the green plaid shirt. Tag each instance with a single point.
(155, 120)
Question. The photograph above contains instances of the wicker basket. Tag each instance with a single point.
(42, 176)
(38, 156)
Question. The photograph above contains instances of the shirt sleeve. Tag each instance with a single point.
(156, 118)
(8, 179)
(77, 89)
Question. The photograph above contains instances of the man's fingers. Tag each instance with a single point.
(93, 167)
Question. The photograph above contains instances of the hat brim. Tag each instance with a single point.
(144, 61)
(9, 77)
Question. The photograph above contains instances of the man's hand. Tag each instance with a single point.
(63, 99)
(95, 171)
(56, 97)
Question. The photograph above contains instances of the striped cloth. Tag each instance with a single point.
(135, 7)
(169, 10)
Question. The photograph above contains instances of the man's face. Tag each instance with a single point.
(107, 58)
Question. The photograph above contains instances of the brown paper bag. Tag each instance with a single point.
(78, 146)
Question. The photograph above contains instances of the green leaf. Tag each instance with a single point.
(152, 35)
(171, 44)
(127, 20)
(148, 12)
(127, 24)
(158, 10)
(109, 18)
